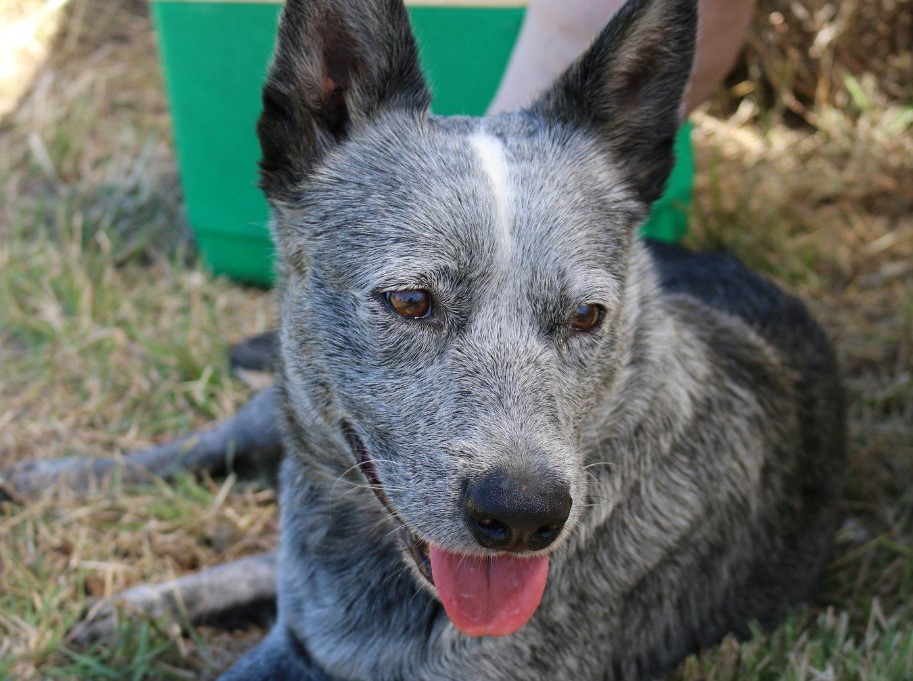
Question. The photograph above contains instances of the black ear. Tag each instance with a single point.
(337, 64)
(627, 88)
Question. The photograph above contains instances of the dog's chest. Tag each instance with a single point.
(369, 620)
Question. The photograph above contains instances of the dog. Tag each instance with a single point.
(521, 441)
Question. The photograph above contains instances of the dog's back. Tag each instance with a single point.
(721, 282)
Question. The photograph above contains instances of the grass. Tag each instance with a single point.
(112, 336)
(823, 648)
(60, 555)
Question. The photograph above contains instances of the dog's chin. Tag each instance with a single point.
(414, 547)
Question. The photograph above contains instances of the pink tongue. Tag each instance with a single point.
(492, 596)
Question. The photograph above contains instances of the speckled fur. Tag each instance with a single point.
(700, 426)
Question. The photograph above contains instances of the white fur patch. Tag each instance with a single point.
(494, 162)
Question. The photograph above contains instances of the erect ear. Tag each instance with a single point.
(337, 64)
(627, 88)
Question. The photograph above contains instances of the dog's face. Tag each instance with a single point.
(453, 286)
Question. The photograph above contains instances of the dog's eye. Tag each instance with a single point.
(586, 317)
(412, 304)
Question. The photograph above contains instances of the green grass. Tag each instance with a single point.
(60, 555)
(138, 653)
(812, 649)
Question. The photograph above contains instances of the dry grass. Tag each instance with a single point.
(90, 138)
(109, 340)
(111, 337)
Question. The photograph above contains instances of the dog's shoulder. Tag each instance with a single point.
(720, 281)
(721, 284)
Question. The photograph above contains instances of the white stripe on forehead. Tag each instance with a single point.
(494, 163)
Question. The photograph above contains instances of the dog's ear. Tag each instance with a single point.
(337, 64)
(627, 88)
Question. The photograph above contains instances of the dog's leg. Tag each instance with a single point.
(240, 587)
(257, 353)
(250, 436)
(277, 658)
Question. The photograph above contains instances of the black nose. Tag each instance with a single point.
(512, 512)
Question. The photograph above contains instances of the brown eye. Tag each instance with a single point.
(412, 304)
(586, 317)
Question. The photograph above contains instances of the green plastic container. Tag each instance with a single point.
(215, 57)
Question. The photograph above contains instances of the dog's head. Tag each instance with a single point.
(453, 286)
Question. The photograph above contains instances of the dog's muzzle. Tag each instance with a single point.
(487, 594)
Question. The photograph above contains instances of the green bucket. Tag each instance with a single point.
(215, 57)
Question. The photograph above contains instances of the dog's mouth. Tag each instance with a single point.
(417, 548)
(483, 595)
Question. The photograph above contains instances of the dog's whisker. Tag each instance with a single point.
(392, 462)
(353, 486)
(393, 531)
(364, 484)
(341, 477)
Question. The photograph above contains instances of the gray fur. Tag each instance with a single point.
(699, 426)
